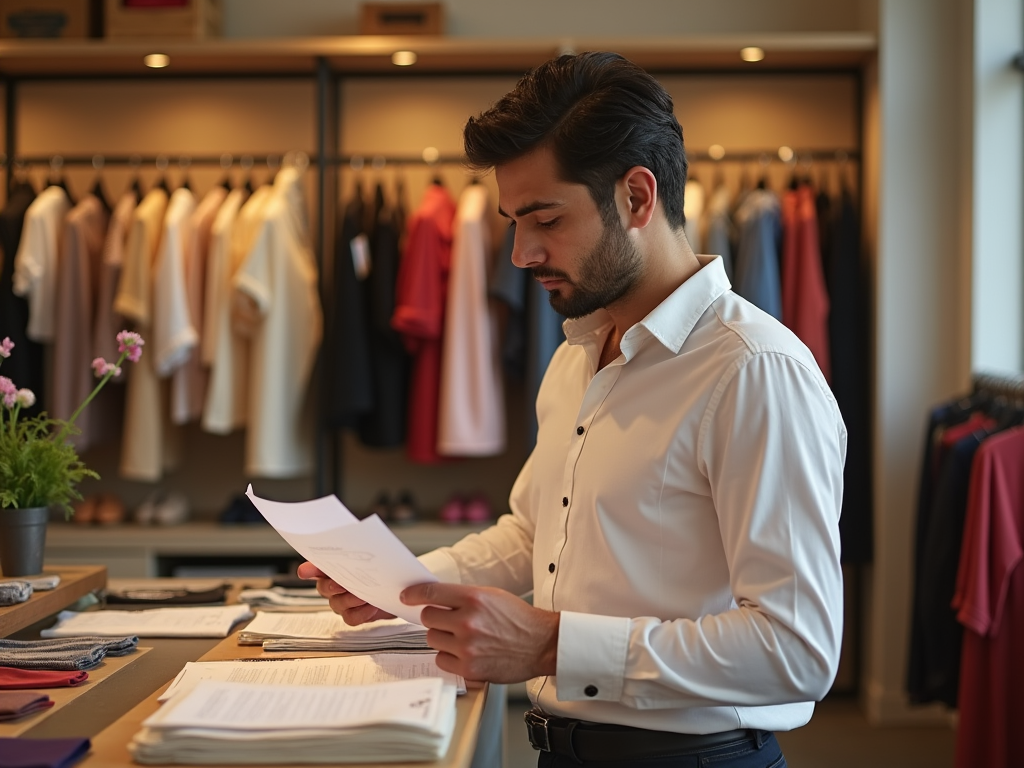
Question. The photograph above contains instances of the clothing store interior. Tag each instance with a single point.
(240, 182)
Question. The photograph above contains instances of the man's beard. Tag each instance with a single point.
(606, 274)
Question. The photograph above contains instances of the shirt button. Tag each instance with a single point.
(579, 430)
(565, 501)
(590, 690)
(551, 567)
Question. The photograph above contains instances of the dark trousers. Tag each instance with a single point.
(748, 753)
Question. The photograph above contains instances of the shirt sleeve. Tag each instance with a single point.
(174, 334)
(776, 480)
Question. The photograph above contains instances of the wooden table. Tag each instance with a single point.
(76, 581)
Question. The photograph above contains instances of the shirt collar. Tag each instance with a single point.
(670, 322)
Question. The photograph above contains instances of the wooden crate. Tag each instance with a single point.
(193, 19)
(401, 19)
(44, 18)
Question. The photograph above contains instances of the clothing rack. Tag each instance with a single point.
(1000, 385)
(162, 161)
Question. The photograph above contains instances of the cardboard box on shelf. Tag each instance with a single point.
(401, 19)
(48, 19)
(192, 19)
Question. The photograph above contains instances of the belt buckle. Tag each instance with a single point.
(537, 730)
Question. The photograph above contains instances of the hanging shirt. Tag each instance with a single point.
(989, 599)
(81, 255)
(188, 383)
(693, 212)
(108, 323)
(25, 368)
(148, 446)
(279, 278)
(174, 335)
(804, 296)
(225, 351)
(419, 314)
(471, 410)
(38, 260)
(757, 253)
(718, 239)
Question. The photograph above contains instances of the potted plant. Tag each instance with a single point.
(39, 467)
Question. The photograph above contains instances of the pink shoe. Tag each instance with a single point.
(477, 510)
(453, 511)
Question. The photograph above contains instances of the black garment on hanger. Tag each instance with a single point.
(100, 194)
(348, 382)
(383, 426)
(25, 366)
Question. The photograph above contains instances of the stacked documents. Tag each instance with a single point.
(219, 723)
(332, 670)
(327, 631)
(282, 599)
(156, 622)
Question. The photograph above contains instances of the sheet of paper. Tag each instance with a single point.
(327, 625)
(364, 556)
(237, 706)
(349, 670)
(184, 621)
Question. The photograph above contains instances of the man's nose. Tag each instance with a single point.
(526, 252)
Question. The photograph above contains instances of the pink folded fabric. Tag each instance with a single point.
(11, 678)
(15, 704)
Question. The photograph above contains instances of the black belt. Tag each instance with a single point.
(585, 741)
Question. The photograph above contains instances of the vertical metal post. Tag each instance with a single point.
(10, 129)
(328, 449)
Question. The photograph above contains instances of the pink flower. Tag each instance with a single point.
(130, 343)
(7, 386)
(26, 398)
(101, 368)
(5, 347)
(10, 399)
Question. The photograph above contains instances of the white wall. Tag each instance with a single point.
(544, 18)
(998, 188)
(921, 351)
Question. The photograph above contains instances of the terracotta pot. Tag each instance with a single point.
(23, 540)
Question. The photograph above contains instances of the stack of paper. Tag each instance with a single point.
(156, 622)
(281, 599)
(233, 723)
(334, 670)
(327, 631)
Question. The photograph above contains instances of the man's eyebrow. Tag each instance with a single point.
(528, 209)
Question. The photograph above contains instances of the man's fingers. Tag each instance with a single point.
(435, 593)
(309, 571)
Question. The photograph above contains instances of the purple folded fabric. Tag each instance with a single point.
(42, 753)
(15, 704)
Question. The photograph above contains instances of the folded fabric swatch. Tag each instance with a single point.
(12, 592)
(11, 678)
(15, 704)
(63, 652)
(42, 753)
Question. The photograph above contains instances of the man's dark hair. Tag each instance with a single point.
(600, 114)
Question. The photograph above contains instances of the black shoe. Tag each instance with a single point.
(404, 512)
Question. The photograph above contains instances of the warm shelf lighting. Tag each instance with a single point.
(716, 151)
(157, 60)
(785, 154)
(752, 53)
(431, 155)
(403, 58)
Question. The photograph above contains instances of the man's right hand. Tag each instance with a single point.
(353, 610)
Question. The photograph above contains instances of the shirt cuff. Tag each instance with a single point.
(591, 656)
(442, 565)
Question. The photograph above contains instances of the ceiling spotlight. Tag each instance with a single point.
(157, 60)
(431, 155)
(403, 58)
(752, 53)
(716, 151)
(785, 154)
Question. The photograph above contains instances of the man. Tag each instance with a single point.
(678, 518)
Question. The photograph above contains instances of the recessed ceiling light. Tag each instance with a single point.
(752, 53)
(716, 151)
(403, 58)
(786, 154)
(157, 60)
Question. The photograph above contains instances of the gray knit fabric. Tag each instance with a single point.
(12, 592)
(63, 653)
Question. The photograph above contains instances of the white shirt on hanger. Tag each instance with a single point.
(38, 259)
(107, 321)
(174, 336)
(224, 350)
(471, 409)
(278, 280)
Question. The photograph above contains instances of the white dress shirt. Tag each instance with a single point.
(681, 511)
(37, 261)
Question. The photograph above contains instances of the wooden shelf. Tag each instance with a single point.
(372, 54)
(75, 582)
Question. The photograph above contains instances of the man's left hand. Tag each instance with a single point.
(484, 633)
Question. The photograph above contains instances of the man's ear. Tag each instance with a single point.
(637, 191)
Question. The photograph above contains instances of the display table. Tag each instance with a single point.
(75, 581)
(111, 711)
